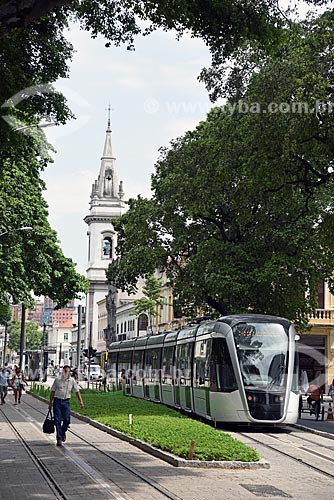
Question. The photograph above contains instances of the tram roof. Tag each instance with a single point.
(254, 318)
(156, 339)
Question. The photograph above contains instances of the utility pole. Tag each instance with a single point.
(89, 350)
(22, 337)
(5, 344)
(79, 337)
(44, 340)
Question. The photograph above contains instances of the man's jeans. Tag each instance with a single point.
(61, 410)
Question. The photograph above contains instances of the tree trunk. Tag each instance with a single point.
(218, 306)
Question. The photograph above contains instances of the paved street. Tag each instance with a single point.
(83, 469)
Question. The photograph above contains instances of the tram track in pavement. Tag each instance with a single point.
(300, 448)
(153, 484)
(54, 486)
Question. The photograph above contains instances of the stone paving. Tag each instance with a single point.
(83, 471)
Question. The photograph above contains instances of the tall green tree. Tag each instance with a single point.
(33, 335)
(241, 216)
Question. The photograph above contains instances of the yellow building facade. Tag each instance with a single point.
(319, 342)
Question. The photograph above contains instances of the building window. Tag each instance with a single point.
(321, 295)
(107, 247)
(142, 322)
(65, 337)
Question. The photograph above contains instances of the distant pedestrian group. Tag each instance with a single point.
(15, 380)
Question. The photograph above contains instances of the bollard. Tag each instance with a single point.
(330, 412)
(191, 450)
(130, 419)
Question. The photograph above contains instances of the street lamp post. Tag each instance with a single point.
(25, 228)
(22, 336)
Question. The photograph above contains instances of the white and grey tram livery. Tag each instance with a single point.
(240, 369)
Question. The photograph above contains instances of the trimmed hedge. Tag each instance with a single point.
(159, 426)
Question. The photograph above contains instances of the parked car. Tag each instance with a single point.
(95, 372)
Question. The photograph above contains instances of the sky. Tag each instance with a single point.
(155, 97)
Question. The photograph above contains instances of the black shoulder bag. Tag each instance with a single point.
(49, 423)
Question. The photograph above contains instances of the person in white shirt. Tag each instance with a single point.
(3, 385)
(60, 400)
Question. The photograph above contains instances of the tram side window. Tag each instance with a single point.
(222, 375)
(201, 363)
(167, 365)
(137, 367)
(152, 365)
(183, 363)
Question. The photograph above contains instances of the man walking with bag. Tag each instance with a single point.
(60, 399)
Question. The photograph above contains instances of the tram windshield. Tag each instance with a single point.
(263, 354)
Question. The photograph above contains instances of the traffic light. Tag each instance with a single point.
(89, 353)
(92, 352)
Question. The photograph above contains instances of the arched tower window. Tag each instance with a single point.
(107, 247)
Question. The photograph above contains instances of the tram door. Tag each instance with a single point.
(152, 373)
(138, 374)
(201, 379)
(124, 370)
(183, 379)
(167, 374)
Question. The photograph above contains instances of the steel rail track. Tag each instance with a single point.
(298, 460)
(132, 470)
(37, 461)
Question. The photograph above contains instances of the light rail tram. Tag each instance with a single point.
(240, 369)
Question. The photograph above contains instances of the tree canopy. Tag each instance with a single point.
(241, 216)
(33, 335)
(256, 35)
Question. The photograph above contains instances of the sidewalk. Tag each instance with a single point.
(77, 457)
(316, 425)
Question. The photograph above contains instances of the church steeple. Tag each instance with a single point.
(106, 206)
(106, 186)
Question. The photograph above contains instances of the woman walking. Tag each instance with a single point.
(18, 382)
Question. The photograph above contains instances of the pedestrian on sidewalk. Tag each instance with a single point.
(331, 390)
(3, 385)
(18, 381)
(60, 399)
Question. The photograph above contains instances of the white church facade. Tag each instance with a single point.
(106, 205)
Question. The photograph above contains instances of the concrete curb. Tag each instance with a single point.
(164, 455)
(313, 431)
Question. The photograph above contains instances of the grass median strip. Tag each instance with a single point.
(159, 426)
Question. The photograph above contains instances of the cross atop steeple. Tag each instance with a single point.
(109, 109)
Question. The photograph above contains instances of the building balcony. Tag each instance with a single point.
(322, 317)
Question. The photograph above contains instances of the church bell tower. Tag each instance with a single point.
(106, 205)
